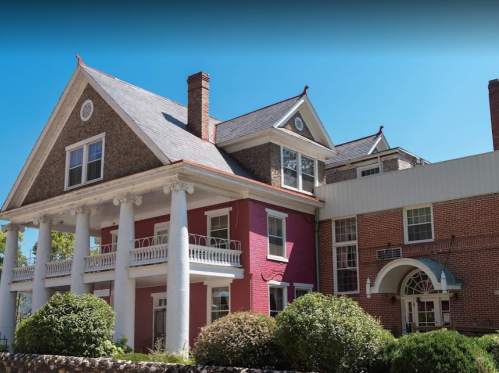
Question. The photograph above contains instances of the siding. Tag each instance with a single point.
(457, 178)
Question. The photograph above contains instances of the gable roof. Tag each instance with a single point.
(255, 121)
(357, 148)
(164, 122)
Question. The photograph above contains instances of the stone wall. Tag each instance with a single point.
(17, 363)
(264, 161)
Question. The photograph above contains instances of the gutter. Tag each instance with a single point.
(316, 239)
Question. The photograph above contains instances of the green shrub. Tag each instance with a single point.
(241, 339)
(490, 343)
(441, 351)
(322, 333)
(68, 325)
(157, 358)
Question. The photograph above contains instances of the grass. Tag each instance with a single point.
(157, 358)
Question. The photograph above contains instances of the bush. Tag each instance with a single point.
(441, 351)
(490, 343)
(68, 325)
(241, 339)
(322, 333)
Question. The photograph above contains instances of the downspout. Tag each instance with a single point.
(316, 234)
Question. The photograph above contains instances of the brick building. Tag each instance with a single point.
(193, 217)
(417, 247)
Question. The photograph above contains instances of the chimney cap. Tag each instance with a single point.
(494, 82)
(200, 75)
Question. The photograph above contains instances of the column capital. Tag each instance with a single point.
(42, 219)
(97, 240)
(177, 186)
(127, 198)
(12, 227)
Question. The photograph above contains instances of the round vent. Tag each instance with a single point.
(86, 110)
(298, 124)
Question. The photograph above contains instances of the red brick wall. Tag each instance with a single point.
(473, 259)
(300, 252)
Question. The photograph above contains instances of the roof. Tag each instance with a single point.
(164, 122)
(355, 149)
(255, 121)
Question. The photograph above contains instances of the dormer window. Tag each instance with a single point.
(84, 161)
(298, 171)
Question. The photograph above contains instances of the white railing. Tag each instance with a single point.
(151, 241)
(100, 262)
(149, 255)
(60, 268)
(214, 256)
(220, 243)
(24, 273)
(103, 249)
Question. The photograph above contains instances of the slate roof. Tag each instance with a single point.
(165, 123)
(255, 121)
(353, 149)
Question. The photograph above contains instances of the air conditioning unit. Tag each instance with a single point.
(387, 254)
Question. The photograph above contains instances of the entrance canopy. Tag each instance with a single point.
(391, 275)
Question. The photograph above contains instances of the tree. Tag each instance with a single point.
(21, 259)
(62, 246)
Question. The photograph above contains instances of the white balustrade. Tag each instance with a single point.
(100, 262)
(214, 256)
(149, 255)
(24, 273)
(59, 268)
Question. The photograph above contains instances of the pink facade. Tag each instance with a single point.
(248, 224)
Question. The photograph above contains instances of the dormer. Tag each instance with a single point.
(284, 144)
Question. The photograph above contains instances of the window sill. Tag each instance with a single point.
(277, 258)
(346, 292)
(420, 241)
(83, 184)
(298, 190)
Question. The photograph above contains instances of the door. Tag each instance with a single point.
(421, 312)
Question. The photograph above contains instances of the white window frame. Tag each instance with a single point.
(369, 167)
(299, 171)
(214, 214)
(300, 286)
(114, 240)
(282, 216)
(161, 227)
(406, 228)
(155, 297)
(282, 285)
(84, 145)
(337, 245)
(209, 299)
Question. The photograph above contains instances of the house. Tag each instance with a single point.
(192, 217)
(418, 248)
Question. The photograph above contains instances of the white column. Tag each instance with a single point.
(178, 286)
(124, 288)
(8, 298)
(81, 250)
(43, 256)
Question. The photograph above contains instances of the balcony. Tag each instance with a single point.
(148, 251)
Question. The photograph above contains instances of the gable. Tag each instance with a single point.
(291, 126)
(124, 152)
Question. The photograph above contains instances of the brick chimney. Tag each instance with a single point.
(198, 113)
(494, 111)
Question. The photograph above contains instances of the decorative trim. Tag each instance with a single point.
(300, 285)
(79, 211)
(277, 283)
(178, 186)
(219, 212)
(42, 219)
(277, 214)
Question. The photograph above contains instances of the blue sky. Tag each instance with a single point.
(419, 69)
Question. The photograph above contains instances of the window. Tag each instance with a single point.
(302, 289)
(276, 232)
(418, 224)
(298, 171)
(371, 169)
(84, 161)
(159, 317)
(278, 297)
(161, 233)
(218, 227)
(346, 274)
(220, 297)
